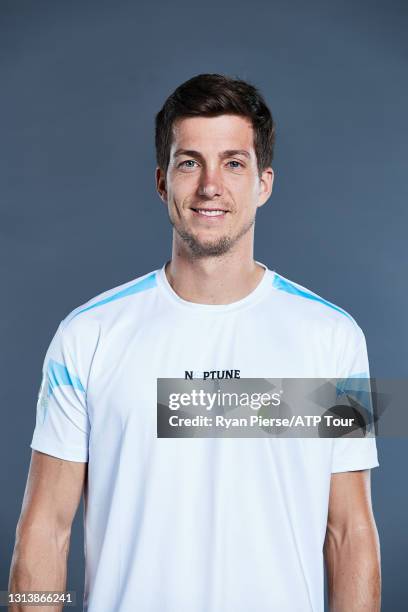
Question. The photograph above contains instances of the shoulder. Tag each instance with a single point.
(311, 308)
(104, 306)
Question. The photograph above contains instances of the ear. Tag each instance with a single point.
(161, 184)
(265, 185)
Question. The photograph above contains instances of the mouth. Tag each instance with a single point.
(210, 213)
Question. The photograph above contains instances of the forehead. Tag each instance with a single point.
(213, 133)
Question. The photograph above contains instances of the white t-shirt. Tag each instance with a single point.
(196, 524)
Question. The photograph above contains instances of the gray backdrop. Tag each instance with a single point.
(80, 84)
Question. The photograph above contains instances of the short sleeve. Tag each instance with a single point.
(62, 425)
(350, 454)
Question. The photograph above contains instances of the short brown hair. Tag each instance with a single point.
(210, 95)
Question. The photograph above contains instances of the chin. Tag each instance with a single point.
(213, 248)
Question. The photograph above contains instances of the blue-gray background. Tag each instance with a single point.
(80, 84)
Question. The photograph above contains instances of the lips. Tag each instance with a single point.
(210, 212)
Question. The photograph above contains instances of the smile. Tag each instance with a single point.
(209, 213)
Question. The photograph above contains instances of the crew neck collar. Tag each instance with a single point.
(262, 288)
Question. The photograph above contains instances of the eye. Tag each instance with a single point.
(234, 161)
(187, 164)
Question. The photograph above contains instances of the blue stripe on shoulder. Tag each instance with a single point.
(284, 285)
(58, 374)
(353, 383)
(357, 388)
(147, 283)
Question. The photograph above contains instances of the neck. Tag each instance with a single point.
(213, 280)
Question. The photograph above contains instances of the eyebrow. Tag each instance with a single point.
(227, 153)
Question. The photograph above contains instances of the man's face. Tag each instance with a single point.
(212, 187)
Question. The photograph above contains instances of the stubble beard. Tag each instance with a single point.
(210, 248)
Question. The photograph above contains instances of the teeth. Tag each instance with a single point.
(210, 213)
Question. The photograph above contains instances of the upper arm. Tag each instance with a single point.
(53, 491)
(350, 508)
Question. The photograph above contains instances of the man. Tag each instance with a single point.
(199, 524)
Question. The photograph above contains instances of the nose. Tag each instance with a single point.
(210, 185)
